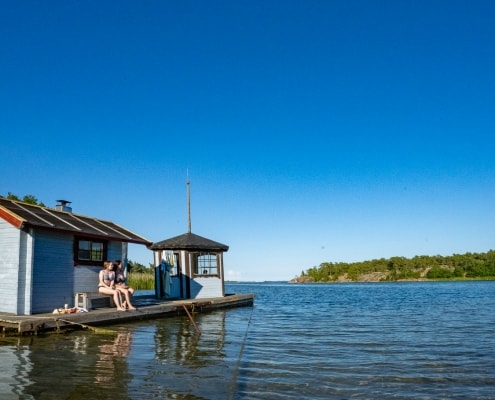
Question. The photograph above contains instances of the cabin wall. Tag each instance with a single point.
(55, 278)
(204, 287)
(53, 272)
(9, 266)
(221, 274)
(186, 274)
(201, 287)
(25, 283)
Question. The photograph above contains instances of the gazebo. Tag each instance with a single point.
(189, 266)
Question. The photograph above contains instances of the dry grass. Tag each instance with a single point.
(141, 280)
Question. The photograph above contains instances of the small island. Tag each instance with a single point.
(468, 266)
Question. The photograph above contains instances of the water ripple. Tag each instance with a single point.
(428, 341)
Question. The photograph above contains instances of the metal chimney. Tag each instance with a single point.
(62, 206)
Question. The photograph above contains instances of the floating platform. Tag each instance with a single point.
(148, 307)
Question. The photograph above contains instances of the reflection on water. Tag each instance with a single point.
(188, 364)
(14, 369)
(150, 359)
(111, 360)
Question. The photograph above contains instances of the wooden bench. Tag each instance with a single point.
(92, 300)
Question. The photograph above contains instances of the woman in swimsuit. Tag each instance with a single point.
(106, 284)
(121, 285)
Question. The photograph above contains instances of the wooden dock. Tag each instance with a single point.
(148, 307)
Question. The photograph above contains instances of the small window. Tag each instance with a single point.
(89, 251)
(206, 264)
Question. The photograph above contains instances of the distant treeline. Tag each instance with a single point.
(457, 266)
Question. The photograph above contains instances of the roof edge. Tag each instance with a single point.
(189, 241)
(11, 217)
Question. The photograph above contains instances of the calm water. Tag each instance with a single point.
(343, 341)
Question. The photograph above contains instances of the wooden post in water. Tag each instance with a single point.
(191, 318)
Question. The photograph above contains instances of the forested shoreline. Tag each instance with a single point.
(456, 266)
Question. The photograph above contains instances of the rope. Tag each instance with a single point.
(233, 381)
(91, 328)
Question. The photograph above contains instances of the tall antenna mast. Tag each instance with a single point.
(188, 203)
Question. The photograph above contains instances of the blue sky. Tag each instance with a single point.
(311, 131)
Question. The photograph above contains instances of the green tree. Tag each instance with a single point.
(439, 273)
(29, 199)
(469, 265)
(136, 267)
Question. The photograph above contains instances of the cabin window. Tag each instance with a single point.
(206, 264)
(89, 251)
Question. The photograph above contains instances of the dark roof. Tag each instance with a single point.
(189, 241)
(23, 215)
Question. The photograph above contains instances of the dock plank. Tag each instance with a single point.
(148, 307)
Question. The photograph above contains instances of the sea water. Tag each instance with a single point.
(415, 340)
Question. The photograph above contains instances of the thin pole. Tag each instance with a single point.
(188, 205)
(191, 318)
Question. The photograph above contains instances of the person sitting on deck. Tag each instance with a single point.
(121, 285)
(106, 284)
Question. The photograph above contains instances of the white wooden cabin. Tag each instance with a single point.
(189, 266)
(49, 254)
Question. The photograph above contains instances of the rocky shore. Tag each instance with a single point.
(373, 277)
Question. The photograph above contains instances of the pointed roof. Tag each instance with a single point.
(189, 241)
(23, 215)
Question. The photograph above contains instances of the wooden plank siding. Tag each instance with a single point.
(56, 279)
(53, 278)
(25, 274)
(9, 265)
(205, 287)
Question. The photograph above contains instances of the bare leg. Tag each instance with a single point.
(116, 299)
(116, 296)
(126, 293)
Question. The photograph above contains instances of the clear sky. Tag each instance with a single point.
(311, 131)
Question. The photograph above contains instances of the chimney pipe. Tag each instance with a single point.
(62, 206)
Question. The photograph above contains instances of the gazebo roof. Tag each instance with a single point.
(189, 241)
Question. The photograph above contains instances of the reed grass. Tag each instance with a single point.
(141, 280)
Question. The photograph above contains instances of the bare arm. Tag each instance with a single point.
(112, 280)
